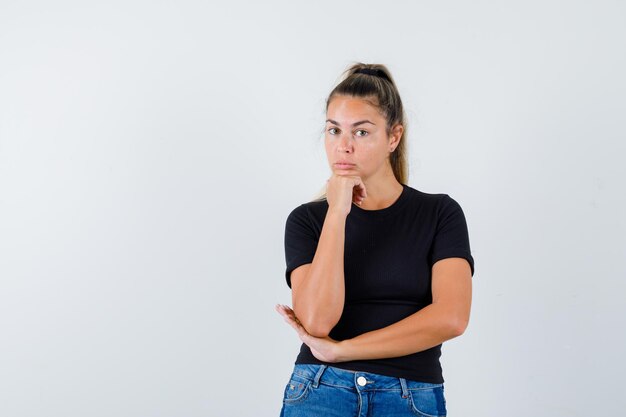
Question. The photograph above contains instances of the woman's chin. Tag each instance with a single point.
(344, 171)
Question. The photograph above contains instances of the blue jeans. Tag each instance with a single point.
(322, 390)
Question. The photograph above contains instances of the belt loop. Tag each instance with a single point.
(316, 380)
(405, 391)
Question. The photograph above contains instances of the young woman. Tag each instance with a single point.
(380, 272)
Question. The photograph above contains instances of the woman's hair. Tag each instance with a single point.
(373, 82)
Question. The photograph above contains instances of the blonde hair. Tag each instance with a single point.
(375, 82)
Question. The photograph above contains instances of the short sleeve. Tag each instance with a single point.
(300, 240)
(451, 236)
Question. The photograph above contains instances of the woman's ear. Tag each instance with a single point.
(394, 138)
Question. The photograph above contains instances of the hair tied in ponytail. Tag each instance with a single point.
(371, 71)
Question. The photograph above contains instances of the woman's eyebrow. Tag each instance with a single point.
(353, 124)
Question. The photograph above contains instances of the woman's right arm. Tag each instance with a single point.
(318, 289)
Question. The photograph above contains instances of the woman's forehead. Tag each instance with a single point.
(352, 108)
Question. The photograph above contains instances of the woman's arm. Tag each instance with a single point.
(318, 288)
(444, 319)
(447, 317)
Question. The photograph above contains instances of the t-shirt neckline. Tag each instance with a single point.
(393, 208)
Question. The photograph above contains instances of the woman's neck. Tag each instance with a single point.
(381, 195)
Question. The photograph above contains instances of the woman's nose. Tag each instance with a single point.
(345, 143)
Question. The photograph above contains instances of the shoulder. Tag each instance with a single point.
(309, 208)
(434, 207)
(312, 212)
(432, 201)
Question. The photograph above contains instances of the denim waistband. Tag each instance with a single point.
(358, 380)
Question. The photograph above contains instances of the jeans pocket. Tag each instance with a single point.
(428, 401)
(297, 389)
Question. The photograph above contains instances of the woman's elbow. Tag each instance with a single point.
(318, 330)
(458, 326)
(316, 325)
(320, 333)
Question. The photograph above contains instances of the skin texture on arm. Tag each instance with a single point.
(447, 317)
(318, 288)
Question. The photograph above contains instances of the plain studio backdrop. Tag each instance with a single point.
(150, 153)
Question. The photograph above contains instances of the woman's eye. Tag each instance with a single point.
(364, 132)
(332, 130)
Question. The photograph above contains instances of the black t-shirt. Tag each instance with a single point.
(388, 259)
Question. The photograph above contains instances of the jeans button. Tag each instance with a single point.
(361, 381)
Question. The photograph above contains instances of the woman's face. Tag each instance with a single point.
(356, 134)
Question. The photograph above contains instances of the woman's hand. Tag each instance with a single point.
(323, 348)
(342, 191)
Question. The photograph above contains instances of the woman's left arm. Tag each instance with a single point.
(446, 318)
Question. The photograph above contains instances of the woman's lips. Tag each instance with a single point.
(344, 166)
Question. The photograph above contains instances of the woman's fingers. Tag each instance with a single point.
(358, 191)
(361, 189)
(343, 190)
(290, 317)
(357, 197)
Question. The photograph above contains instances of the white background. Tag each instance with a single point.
(151, 151)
